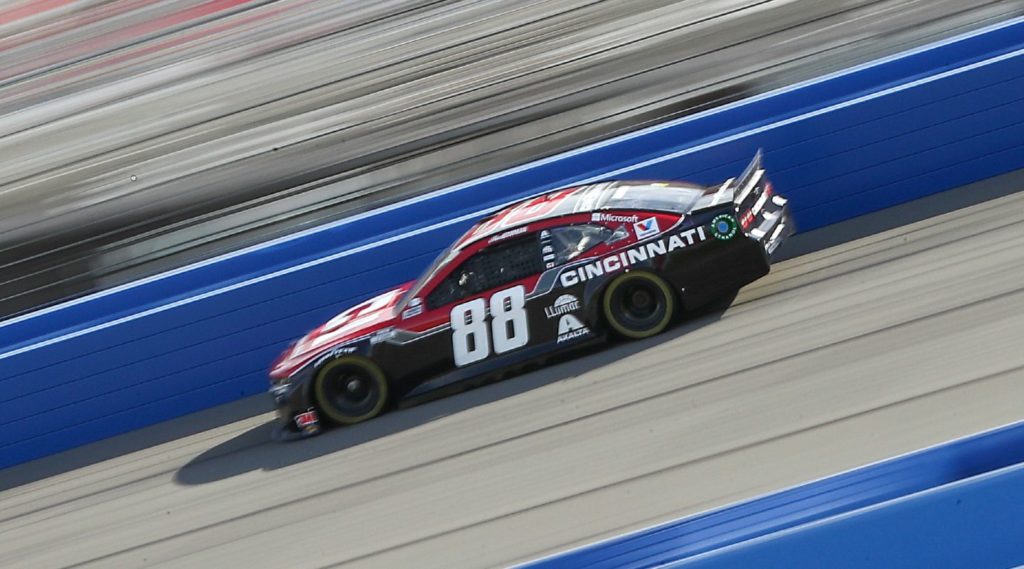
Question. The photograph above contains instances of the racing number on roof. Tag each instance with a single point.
(508, 329)
(526, 212)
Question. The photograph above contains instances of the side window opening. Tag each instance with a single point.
(569, 242)
(490, 268)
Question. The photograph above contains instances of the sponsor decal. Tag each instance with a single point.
(415, 308)
(646, 228)
(333, 353)
(723, 227)
(609, 218)
(570, 328)
(308, 421)
(665, 245)
(746, 219)
(507, 234)
(546, 249)
(382, 336)
(563, 305)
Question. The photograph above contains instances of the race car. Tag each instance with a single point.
(571, 267)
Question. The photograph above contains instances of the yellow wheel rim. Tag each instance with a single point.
(372, 373)
(625, 278)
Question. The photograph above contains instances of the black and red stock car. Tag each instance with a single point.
(556, 271)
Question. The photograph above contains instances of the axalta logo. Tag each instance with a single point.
(609, 218)
(570, 328)
(654, 249)
(563, 305)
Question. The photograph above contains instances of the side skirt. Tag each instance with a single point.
(494, 369)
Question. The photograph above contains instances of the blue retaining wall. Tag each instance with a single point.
(839, 146)
(974, 524)
(953, 505)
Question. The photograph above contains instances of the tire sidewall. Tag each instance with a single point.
(658, 283)
(372, 371)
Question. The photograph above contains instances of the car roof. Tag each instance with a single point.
(610, 195)
(599, 196)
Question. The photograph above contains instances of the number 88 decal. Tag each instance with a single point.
(508, 329)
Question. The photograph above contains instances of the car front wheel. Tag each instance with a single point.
(351, 389)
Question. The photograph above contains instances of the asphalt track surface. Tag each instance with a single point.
(139, 136)
(868, 343)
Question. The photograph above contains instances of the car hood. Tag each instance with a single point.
(358, 321)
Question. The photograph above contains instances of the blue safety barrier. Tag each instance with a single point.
(839, 146)
(952, 505)
(974, 524)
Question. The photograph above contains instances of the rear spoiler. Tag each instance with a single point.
(754, 170)
(735, 189)
(748, 179)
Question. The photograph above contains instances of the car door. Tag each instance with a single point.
(468, 316)
(566, 303)
(501, 304)
(483, 301)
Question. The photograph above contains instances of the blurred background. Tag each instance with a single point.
(140, 135)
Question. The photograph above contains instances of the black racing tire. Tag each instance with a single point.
(350, 389)
(638, 305)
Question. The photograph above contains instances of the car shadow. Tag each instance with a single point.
(254, 450)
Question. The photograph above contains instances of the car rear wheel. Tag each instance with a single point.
(351, 389)
(638, 305)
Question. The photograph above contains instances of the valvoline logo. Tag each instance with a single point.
(646, 228)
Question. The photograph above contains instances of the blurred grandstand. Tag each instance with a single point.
(139, 135)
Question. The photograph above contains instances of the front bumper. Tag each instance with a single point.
(296, 414)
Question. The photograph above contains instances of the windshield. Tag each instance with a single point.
(434, 267)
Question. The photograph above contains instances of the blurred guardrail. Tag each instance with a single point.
(953, 505)
(839, 146)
